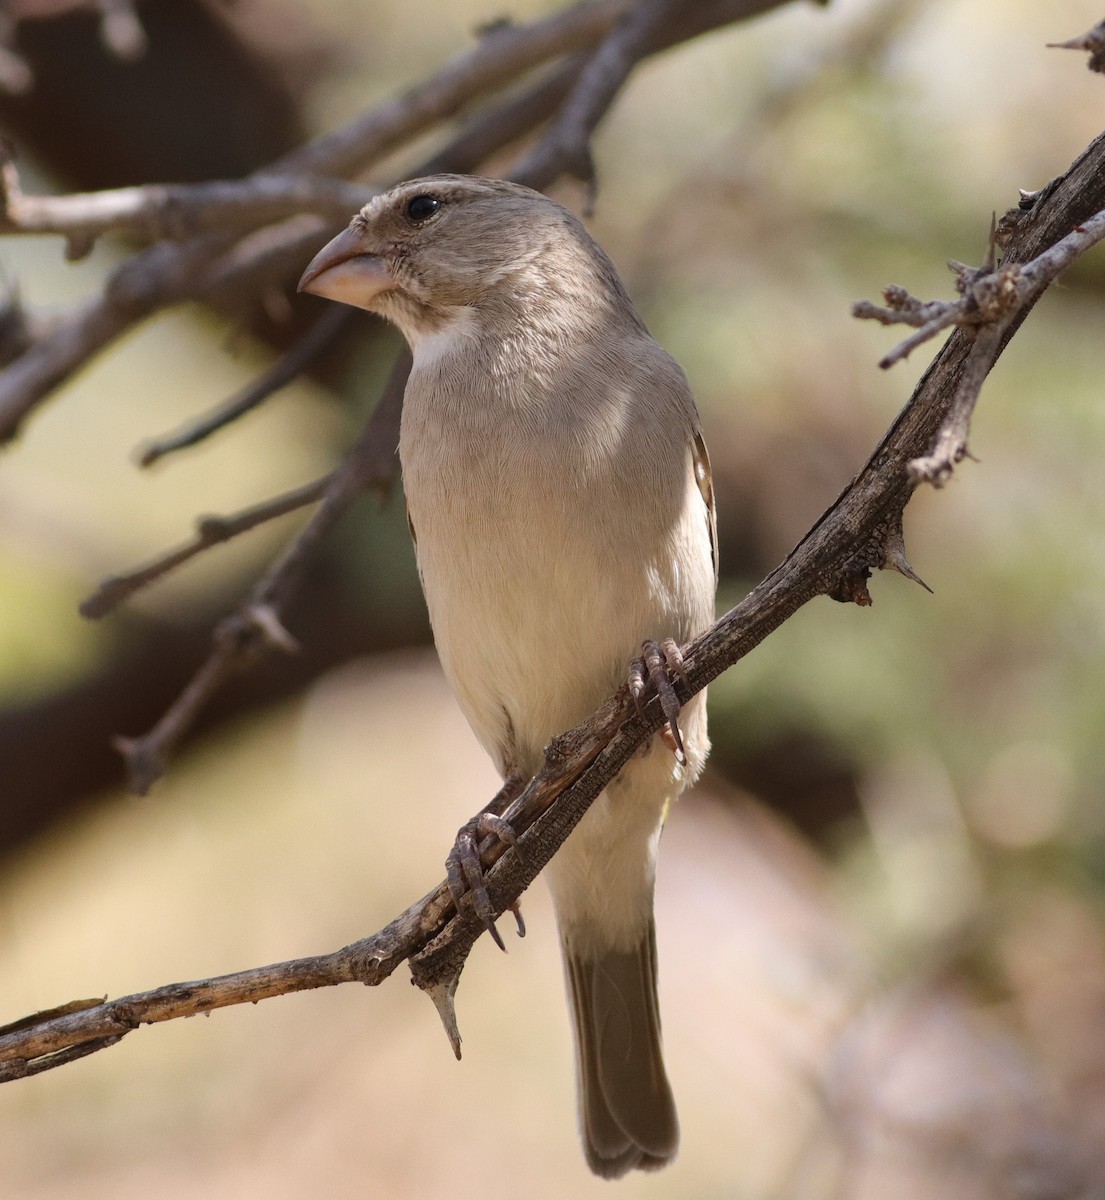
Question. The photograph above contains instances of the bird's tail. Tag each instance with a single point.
(627, 1113)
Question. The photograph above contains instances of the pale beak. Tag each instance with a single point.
(343, 271)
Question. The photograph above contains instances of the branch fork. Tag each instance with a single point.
(992, 296)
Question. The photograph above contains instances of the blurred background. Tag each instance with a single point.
(880, 914)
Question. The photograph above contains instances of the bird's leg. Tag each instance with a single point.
(463, 867)
(659, 661)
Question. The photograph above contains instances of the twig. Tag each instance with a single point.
(861, 532)
(237, 641)
(950, 446)
(298, 359)
(567, 145)
(991, 295)
(502, 124)
(175, 211)
(242, 637)
(650, 26)
(210, 531)
(903, 309)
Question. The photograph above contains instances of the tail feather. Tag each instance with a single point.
(627, 1111)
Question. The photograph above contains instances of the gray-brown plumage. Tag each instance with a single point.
(559, 491)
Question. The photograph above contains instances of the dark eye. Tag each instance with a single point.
(421, 208)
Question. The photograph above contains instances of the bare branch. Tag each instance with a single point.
(567, 145)
(282, 372)
(241, 638)
(650, 26)
(504, 53)
(210, 531)
(502, 124)
(176, 211)
(990, 297)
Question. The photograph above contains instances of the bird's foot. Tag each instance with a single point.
(464, 867)
(659, 662)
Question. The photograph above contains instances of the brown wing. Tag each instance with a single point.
(705, 479)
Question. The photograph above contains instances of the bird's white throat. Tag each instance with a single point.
(430, 346)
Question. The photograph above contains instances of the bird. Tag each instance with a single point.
(559, 495)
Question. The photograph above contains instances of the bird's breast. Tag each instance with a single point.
(543, 560)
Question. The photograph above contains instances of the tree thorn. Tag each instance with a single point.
(894, 551)
(443, 994)
(1092, 40)
(266, 620)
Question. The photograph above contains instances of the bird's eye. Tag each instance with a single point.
(421, 208)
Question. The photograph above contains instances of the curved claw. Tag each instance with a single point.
(464, 868)
(464, 873)
(659, 661)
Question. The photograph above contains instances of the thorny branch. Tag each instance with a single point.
(860, 532)
(991, 297)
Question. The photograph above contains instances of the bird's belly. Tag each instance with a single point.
(537, 611)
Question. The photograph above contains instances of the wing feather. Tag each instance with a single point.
(704, 477)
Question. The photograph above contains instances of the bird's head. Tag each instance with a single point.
(431, 248)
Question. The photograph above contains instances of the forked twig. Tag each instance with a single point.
(991, 296)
